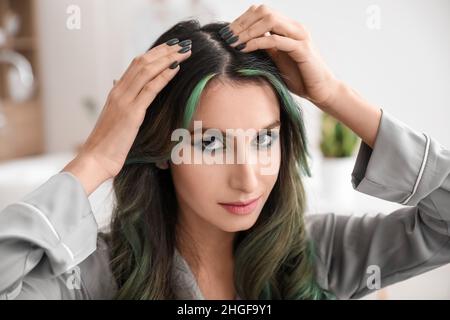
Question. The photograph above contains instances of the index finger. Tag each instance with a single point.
(150, 56)
(241, 23)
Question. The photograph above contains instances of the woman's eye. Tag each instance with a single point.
(211, 144)
(264, 140)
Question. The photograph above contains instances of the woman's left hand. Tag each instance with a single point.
(289, 44)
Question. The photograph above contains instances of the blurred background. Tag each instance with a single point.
(58, 60)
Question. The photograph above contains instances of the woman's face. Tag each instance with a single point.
(251, 169)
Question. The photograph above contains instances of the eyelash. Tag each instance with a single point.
(272, 135)
(272, 139)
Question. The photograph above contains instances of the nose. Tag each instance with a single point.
(244, 177)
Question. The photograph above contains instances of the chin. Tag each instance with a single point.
(242, 225)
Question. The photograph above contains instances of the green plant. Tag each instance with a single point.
(337, 140)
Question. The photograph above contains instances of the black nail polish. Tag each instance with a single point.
(224, 29)
(227, 35)
(241, 46)
(185, 43)
(174, 65)
(232, 39)
(173, 41)
(185, 49)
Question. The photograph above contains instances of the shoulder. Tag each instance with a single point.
(318, 223)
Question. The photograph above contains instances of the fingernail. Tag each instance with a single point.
(185, 49)
(227, 35)
(173, 41)
(174, 65)
(185, 43)
(232, 39)
(241, 46)
(224, 29)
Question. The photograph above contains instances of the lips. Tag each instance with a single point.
(241, 207)
(240, 203)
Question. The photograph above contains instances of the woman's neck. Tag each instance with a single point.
(209, 254)
(208, 245)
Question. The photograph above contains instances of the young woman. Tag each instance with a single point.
(183, 230)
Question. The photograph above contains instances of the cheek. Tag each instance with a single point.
(197, 184)
(270, 179)
(270, 165)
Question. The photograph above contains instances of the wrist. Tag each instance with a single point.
(87, 170)
(355, 112)
(340, 91)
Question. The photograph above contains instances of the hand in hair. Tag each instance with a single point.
(104, 153)
(289, 45)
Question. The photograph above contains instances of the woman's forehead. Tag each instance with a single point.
(225, 105)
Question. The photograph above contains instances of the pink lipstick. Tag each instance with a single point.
(241, 207)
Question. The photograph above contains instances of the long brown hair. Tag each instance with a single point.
(273, 258)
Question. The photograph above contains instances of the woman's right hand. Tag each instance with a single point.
(104, 153)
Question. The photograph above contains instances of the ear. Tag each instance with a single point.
(163, 165)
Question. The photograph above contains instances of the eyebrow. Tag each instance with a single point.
(274, 124)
